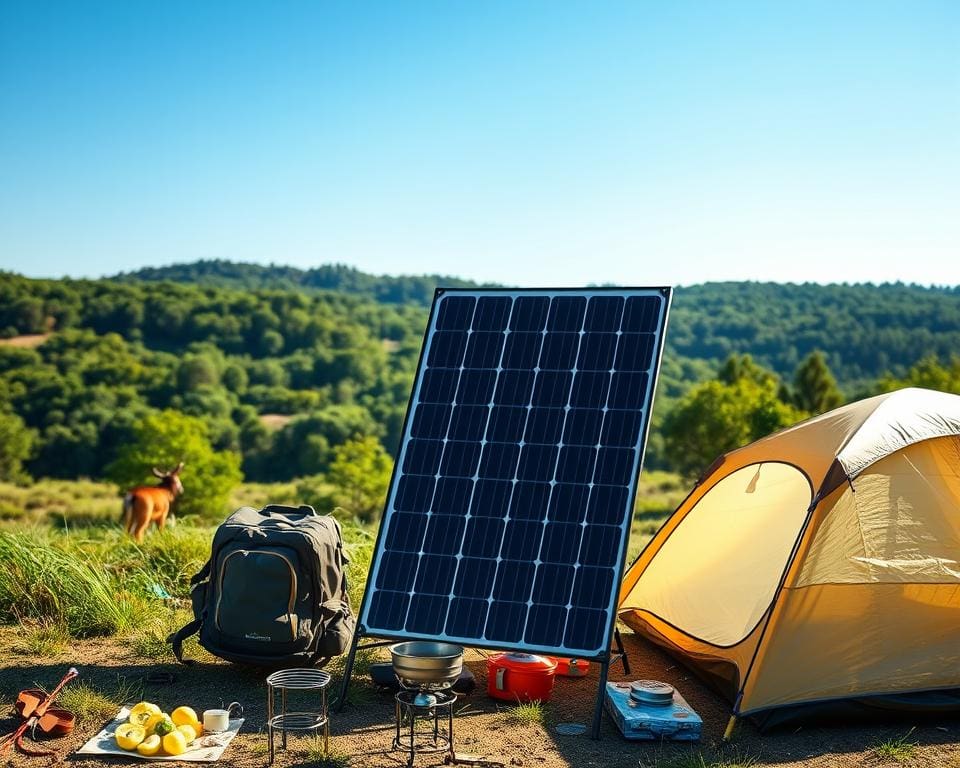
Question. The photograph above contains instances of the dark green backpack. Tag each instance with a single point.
(274, 591)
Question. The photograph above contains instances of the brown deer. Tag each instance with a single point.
(151, 503)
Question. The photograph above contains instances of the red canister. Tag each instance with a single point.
(520, 677)
(571, 667)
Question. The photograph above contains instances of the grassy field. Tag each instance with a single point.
(67, 571)
(75, 590)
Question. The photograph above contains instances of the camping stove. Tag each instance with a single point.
(426, 672)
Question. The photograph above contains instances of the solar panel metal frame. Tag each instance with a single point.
(602, 654)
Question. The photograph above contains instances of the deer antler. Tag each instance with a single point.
(179, 467)
(158, 473)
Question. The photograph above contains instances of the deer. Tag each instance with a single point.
(151, 503)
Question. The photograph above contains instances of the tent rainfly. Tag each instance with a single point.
(818, 565)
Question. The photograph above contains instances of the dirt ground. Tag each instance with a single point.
(363, 731)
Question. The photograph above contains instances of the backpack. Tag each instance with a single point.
(274, 591)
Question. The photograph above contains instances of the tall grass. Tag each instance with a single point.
(44, 582)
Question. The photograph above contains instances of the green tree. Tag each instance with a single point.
(16, 446)
(197, 371)
(737, 367)
(928, 373)
(163, 438)
(715, 417)
(358, 480)
(814, 387)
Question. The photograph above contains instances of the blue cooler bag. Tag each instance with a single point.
(647, 710)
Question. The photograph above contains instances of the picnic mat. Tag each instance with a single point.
(206, 749)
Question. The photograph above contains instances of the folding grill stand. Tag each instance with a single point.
(604, 661)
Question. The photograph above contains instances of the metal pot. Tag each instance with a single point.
(520, 677)
(421, 664)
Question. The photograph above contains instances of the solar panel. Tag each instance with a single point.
(509, 509)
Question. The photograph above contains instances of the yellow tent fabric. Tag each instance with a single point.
(819, 563)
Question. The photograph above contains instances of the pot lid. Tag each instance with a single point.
(651, 692)
(524, 662)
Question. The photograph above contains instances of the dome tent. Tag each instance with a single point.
(819, 564)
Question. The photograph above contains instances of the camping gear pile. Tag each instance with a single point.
(274, 591)
(35, 708)
(648, 710)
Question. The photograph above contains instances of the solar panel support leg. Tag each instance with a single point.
(347, 672)
(601, 692)
(621, 651)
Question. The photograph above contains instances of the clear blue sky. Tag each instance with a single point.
(521, 142)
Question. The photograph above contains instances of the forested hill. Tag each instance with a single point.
(864, 330)
(283, 373)
(388, 289)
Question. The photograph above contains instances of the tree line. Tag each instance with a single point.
(303, 381)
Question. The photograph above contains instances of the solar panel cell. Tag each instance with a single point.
(544, 426)
(492, 313)
(484, 350)
(430, 421)
(476, 386)
(522, 350)
(505, 622)
(507, 517)
(447, 349)
(559, 351)
(530, 501)
(514, 388)
(506, 424)
(604, 313)
(491, 498)
(499, 461)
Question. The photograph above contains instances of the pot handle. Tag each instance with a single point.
(501, 672)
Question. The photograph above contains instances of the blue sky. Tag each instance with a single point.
(521, 142)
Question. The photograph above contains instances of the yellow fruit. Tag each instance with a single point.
(149, 746)
(151, 724)
(129, 735)
(163, 725)
(188, 731)
(175, 743)
(184, 716)
(142, 712)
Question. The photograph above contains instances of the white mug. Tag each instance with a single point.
(218, 720)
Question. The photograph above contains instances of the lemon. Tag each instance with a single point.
(175, 743)
(151, 724)
(149, 746)
(188, 731)
(184, 716)
(142, 712)
(163, 725)
(129, 735)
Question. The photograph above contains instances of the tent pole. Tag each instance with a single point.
(601, 692)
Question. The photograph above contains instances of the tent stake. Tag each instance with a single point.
(728, 734)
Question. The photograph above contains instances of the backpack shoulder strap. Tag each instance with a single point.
(177, 638)
(201, 575)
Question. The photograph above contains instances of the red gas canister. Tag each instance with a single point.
(520, 677)
(571, 667)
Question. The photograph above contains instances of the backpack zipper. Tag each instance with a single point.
(293, 589)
